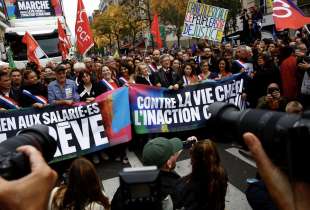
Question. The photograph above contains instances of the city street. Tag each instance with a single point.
(238, 167)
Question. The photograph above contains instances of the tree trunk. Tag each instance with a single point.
(110, 39)
(117, 39)
(134, 38)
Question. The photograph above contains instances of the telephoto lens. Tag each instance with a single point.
(13, 164)
(285, 137)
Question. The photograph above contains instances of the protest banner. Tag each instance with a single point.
(156, 110)
(78, 129)
(204, 21)
(29, 8)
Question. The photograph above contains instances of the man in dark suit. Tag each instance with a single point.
(9, 98)
(166, 77)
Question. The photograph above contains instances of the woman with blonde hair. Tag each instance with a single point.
(205, 188)
(143, 76)
(83, 190)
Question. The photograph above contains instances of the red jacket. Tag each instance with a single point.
(288, 71)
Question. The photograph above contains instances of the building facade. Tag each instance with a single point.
(103, 5)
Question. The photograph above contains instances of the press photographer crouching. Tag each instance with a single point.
(22, 162)
(163, 153)
(279, 143)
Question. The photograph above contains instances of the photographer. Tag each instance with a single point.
(205, 188)
(163, 153)
(244, 17)
(273, 100)
(287, 194)
(304, 71)
(32, 191)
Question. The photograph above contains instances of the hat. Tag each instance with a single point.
(158, 150)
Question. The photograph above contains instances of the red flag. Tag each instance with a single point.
(34, 51)
(55, 3)
(64, 43)
(287, 15)
(155, 32)
(83, 31)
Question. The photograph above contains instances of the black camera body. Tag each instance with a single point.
(13, 164)
(140, 188)
(285, 137)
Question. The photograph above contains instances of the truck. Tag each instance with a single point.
(39, 18)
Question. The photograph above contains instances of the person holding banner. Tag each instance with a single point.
(9, 98)
(189, 78)
(223, 67)
(107, 83)
(34, 93)
(87, 89)
(205, 72)
(166, 77)
(125, 77)
(62, 91)
(143, 76)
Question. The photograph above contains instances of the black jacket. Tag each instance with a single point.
(94, 92)
(142, 80)
(192, 196)
(168, 78)
(168, 181)
(37, 90)
(15, 95)
(102, 88)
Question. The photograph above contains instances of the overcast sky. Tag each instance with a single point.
(70, 10)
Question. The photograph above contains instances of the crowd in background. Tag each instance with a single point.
(277, 78)
(277, 73)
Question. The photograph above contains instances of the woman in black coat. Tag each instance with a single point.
(143, 76)
(87, 89)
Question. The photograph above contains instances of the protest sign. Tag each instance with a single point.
(78, 129)
(204, 21)
(29, 8)
(156, 110)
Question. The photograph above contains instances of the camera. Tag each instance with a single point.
(285, 137)
(189, 142)
(139, 188)
(306, 59)
(272, 90)
(13, 164)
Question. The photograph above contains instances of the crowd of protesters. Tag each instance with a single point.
(277, 73)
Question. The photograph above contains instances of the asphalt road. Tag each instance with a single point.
(238, 167)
